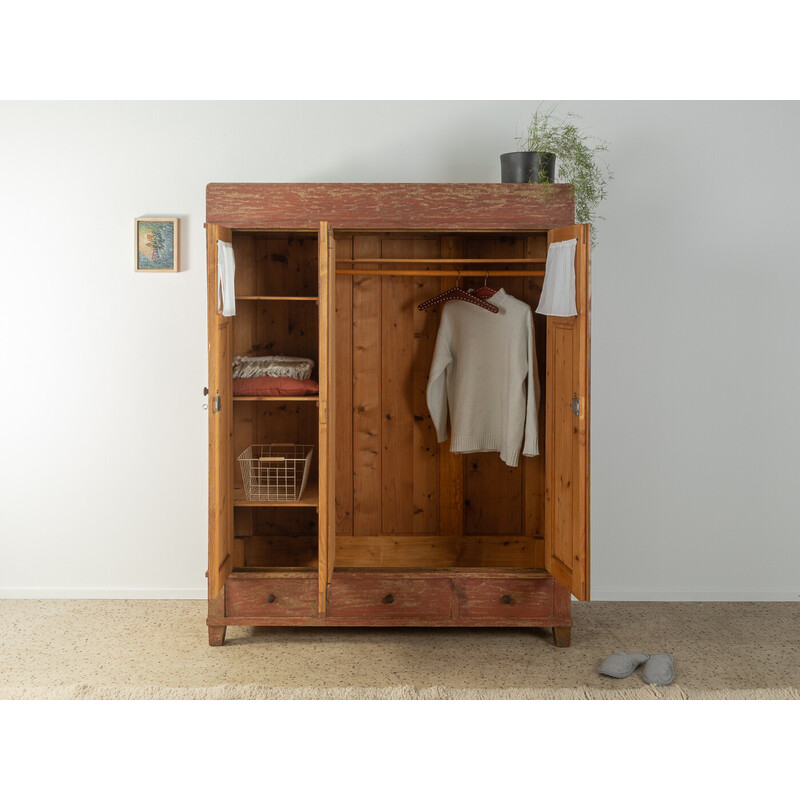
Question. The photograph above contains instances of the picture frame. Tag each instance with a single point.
(156, 244)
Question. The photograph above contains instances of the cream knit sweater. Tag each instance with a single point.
(484, 369)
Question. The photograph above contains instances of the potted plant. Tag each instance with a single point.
(551, 142)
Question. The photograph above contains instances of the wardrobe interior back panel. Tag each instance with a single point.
(392, 478)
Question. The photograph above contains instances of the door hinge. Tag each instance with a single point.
(216, 406)
(576, 405)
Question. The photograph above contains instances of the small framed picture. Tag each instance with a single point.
(156, 244)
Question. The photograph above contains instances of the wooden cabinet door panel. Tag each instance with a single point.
(327, 455)
(567, 429)
(220, 424)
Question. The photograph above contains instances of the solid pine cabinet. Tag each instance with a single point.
(392, 528)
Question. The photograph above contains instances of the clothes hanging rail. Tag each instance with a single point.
(446, 273)
(441, 260)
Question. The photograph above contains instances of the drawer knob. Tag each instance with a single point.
(506, 598)
(270, 598)
(388, 599)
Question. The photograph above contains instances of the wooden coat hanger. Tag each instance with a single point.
(457, 293)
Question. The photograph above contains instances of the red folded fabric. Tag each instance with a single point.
(273, 387)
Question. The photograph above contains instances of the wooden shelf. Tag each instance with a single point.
(294, 399)
(309, 499)
(271, 297)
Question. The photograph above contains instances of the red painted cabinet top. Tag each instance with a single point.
(391, 206)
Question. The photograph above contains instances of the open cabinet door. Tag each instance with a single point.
(566, 536)
(220, 425)
(327, 460)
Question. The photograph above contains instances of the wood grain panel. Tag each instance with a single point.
(273, 597)
(395, 206)
(343, 415)
(562, 436)
(246, 276)
(567, 463)
(397, 421)
(367, 426)
(492, 489)
(451, 465)
(504, 597)
(426, 449)
(275, 521)
(387, 597)
(430, 552)
(284, 266)
(280, 551)
(220, 426)
(534, 468)
(409, 467)
(327, 410)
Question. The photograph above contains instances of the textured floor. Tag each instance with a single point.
(51, 645)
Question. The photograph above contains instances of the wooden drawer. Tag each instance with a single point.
(385, 597)
(502, 598)
(271, 597)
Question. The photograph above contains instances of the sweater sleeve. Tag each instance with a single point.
(530, 446)
(436, 394)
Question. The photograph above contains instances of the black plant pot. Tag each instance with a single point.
(525, 166)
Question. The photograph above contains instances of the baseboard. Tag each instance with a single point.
(698, 595)
(201, 593)
(102, 593)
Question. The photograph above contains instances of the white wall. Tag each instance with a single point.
(694, 372)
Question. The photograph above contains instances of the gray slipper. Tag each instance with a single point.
(659, 670)
(620, 665)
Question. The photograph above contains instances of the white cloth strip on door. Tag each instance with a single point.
(558, 289)
(226, 267)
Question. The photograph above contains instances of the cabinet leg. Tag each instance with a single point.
(216, 635)
(563, 636)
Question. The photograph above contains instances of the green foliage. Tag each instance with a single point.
(578, 159)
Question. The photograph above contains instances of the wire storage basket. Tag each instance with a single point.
(275, 472)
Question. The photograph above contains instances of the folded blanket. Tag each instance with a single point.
(272, 366)
(273, 387)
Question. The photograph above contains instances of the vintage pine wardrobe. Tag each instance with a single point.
(392, 528)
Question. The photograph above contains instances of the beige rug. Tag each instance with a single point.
(157, 649)
(252, 692)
